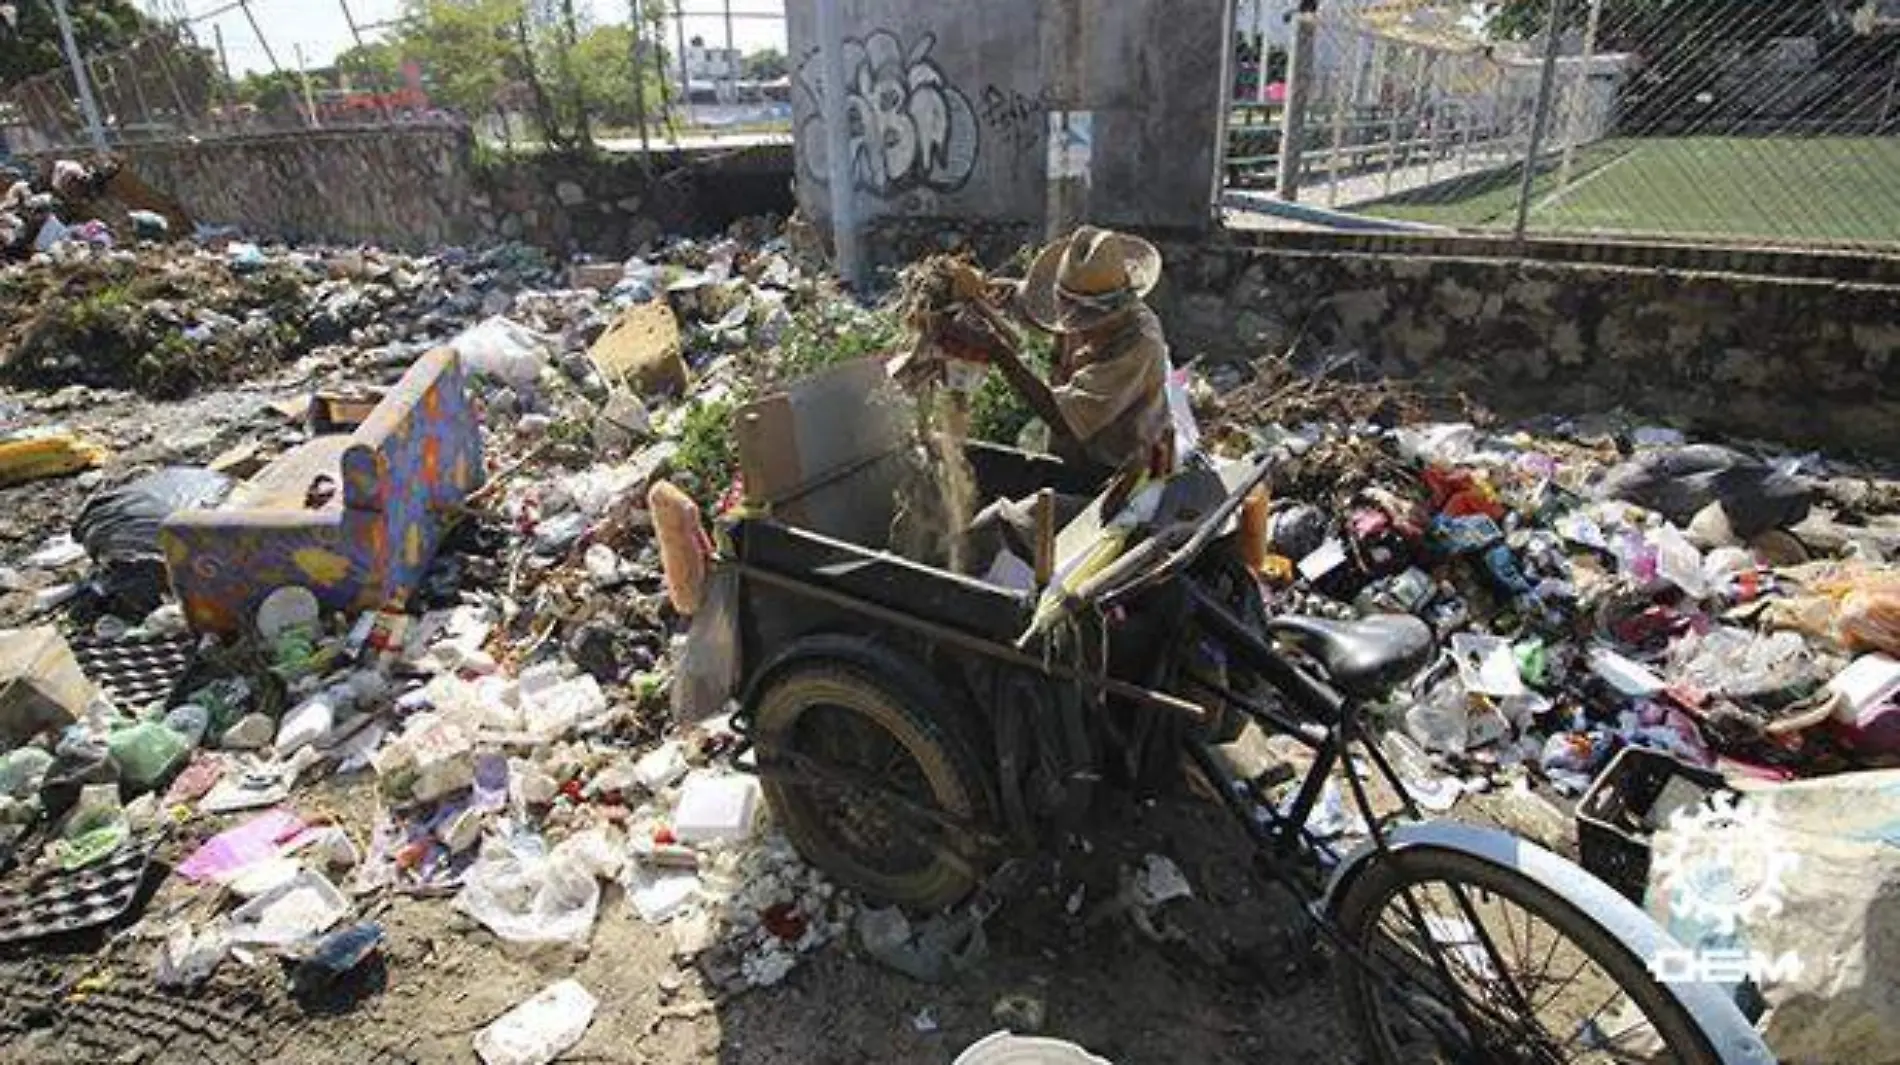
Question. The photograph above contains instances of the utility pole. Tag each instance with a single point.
(269, 55)
(1299, 79)
(227, 102)
(1064, 46)
(224, 62)
(639, 26)
(95, 127)
(732, 60)
(309, 98)
(844, 212)
(686, 83)
(1541, 121)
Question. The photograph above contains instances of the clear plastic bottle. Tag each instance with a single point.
(1439, 720)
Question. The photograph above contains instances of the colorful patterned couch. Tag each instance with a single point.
(417, 455)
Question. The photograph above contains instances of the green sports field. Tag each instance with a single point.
(1819, 189)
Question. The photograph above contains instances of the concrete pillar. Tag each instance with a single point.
(1065, 45)
(843, 188)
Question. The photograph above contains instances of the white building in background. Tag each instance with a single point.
(712, 72)
(1273, 18)
(1334, 45)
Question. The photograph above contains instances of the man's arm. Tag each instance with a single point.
(1022, 379)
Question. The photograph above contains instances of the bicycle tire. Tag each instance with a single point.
(1359, 911)
(917, 722)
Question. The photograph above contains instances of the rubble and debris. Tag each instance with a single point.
(642, 350)
(539, 1030)
(537, 706)
(41, 684)
(1023, 1014)
(47, 452)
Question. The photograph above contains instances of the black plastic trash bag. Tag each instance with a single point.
(119, 530)
(1679, 481)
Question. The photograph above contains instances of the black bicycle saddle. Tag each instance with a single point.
(1363, 657)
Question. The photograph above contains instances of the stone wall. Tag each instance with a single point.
(951, 106)
(409, 187)
(425, 187)
(1811, 360)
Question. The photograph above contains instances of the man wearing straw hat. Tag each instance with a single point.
(1106, 397)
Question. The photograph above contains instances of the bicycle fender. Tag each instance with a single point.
(1729, 1032)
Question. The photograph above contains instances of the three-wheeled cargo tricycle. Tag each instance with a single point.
(915, 727)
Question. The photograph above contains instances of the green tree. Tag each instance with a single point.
(276, 91)
(768, 64)
(603, 62)
(466, 49)
(30, 44)
(374, 65)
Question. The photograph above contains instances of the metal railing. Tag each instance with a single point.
(1774, 124)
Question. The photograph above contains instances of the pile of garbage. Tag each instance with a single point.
(82, 202)
(167, 319)
(509, 723)
(508, 728)
(1593, 586)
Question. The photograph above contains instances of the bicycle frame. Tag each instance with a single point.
(1330, 729)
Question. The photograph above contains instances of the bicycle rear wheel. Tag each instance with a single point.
(1454, 958)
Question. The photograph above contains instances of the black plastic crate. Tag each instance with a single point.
(1632, 798)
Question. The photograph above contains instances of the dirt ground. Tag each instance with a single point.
(1218, 994)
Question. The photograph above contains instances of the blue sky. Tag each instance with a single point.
(319, 28)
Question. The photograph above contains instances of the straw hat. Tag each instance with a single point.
(1088, 278)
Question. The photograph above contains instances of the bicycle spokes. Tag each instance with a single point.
(1483, 978)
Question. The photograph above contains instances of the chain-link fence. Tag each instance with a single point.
(1755, 120)
(520, 73)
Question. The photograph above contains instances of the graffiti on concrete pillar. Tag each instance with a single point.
(1016, 122)
(910, 128)
(1015, 117)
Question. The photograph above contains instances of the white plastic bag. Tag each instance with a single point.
(504, 349)
(1799, 884)
(552, 711)
(525, 896)
(52, 231)
(189, 956)
(1187, 433)
(431, 758)
(298, 910)
(538, 1030)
